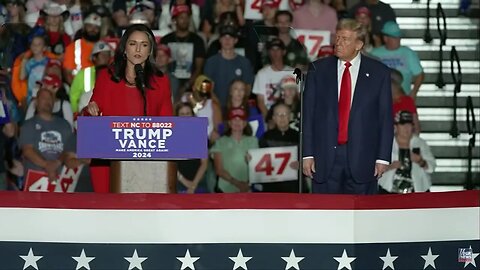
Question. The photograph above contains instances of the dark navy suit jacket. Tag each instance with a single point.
(370, 127)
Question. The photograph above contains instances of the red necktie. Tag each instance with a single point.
(344, 105)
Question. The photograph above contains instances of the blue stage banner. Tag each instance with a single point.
(126, 137)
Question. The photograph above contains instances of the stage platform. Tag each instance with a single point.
(240, 231)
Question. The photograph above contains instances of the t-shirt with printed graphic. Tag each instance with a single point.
(402, 59)
(267, 83)
(49, 138)
(34, 70)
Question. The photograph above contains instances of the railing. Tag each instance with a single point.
(457, 80)
(443, 40)
(427, 37)
(472, 130)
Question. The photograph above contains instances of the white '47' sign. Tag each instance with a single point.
(273, 164)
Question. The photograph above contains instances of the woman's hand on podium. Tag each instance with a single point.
(92, 109)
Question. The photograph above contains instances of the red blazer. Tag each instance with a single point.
(118, 99)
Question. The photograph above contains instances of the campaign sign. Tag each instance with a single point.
(66, 182)
(127, 137)
(253, 8)
(313, 40)
(273, 164)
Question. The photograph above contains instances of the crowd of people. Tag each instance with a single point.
(64, 58)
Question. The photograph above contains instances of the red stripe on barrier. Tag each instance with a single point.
(238, 201)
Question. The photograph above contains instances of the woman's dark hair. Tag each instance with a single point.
(120, 60)
(180, 105)
(245, 98)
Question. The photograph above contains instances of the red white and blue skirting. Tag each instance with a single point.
(240, 231)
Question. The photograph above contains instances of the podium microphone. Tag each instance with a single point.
(140, 83)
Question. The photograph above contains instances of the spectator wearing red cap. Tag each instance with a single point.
(315, 15)
(164, 63)
(167, 25)
(61, 106)
(230, 153)
(187, 47)
(296, 54)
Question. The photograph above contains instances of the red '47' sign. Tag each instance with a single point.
(66, 182)
(272, 164)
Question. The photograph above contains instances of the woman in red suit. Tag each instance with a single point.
(118, 91)
(125, 89)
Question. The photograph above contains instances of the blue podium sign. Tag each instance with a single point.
(127, 137)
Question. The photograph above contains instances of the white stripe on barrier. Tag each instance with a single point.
(239, 226)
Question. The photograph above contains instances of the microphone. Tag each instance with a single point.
(139, 77)
(139, 82)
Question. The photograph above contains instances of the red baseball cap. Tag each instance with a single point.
(363, 10)
(51, 80)
(325, 51)
(53, 63)
(164, 48)
(179, 9)
(237, 113)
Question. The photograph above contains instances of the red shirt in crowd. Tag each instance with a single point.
(119, 99)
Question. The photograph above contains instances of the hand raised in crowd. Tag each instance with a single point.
(308, 167)
(93, 109)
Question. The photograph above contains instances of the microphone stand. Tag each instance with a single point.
(300, 80)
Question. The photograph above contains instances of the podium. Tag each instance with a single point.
(141, 149)
(132, 176)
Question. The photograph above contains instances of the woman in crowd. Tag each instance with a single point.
(230, 153)
(190, 172)
(412, 160)
(238, 98)
(402, 101)
(55, 17)
(290, 97)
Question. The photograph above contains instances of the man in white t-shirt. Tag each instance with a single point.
(266, 84)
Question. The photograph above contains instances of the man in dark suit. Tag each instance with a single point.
(347, 121)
